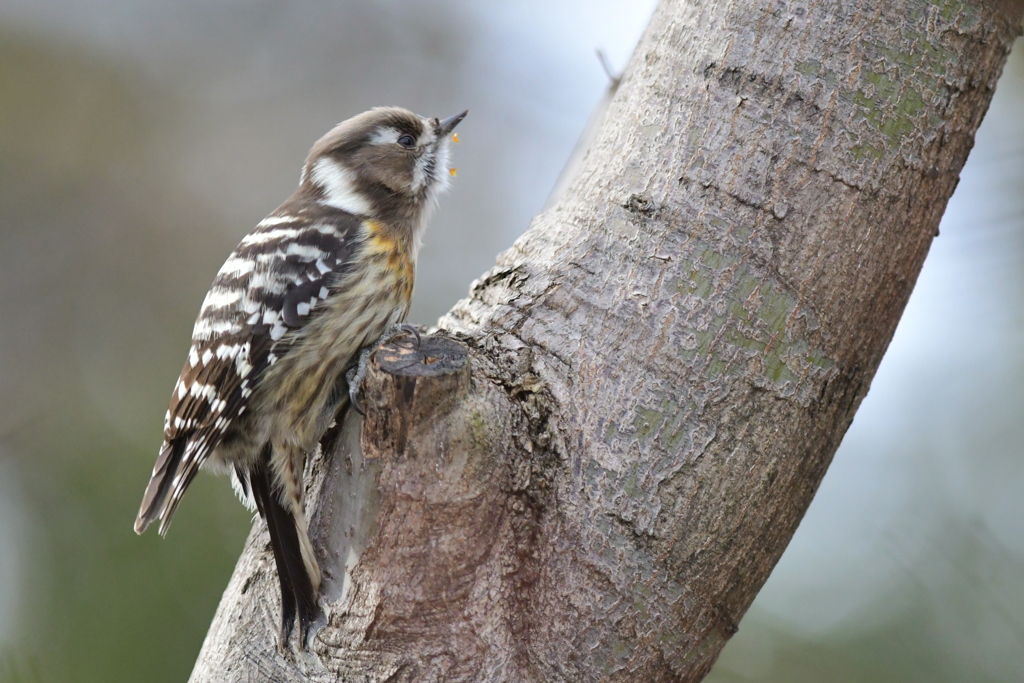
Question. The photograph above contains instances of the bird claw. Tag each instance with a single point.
(406, 328)
(357, 373)
(354, 377)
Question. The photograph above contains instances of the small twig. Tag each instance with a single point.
(615, 80)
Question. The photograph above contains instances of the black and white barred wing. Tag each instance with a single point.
(270, 286)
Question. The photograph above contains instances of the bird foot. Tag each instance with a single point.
(357, 373)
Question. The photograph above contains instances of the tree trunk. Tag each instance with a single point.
(595, 482)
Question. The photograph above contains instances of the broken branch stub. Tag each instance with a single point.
(454, 532)
(411, 387)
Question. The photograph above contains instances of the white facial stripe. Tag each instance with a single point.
(441, 176)
(338, 188)
(431, 169)
(385, 135)
(419, 171)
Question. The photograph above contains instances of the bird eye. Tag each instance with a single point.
(407, 141)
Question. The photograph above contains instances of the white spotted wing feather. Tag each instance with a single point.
(272, 285)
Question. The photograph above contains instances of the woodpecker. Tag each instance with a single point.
(279, 338)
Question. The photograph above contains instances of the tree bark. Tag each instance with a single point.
(593, 481)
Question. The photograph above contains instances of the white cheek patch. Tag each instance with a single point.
(425, 172)
(434, 171)
(419, 171)
(338, 187)
(443, 176)
(385, 135)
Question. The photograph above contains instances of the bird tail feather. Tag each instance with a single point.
(164, 473)
(293, 552)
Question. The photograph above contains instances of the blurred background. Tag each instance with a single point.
(140, 140)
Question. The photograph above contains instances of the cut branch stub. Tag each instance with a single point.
(448, 554)
(411, 385)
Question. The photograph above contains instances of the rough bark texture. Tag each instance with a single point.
(659, 370)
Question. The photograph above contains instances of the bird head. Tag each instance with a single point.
(386, 163)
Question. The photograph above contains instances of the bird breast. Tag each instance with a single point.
(371, 296)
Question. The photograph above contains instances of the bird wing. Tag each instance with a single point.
(273, 283)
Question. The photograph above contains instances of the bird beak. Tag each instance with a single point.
(448, 125)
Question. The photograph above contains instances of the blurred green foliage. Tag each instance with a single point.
(95, 603)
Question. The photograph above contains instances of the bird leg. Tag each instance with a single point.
(357, 373)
